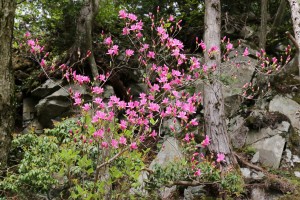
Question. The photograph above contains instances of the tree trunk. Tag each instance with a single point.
(295, 10)
(215, 124)
(263, 24)
(279, 15)
(7, 12)
(84, 40)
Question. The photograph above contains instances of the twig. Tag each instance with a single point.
(289, 35)
(190, 183)
(112, 159)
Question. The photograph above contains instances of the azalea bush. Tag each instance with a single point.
(102, 151)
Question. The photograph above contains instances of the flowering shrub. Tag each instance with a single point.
(105, 147)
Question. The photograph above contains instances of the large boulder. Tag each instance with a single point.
(46, 89)
(288, 107)
(270, 150)
(58, 104)
(235, 73)
(170, 152)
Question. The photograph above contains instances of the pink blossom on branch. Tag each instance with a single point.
(123, 14)
(197, 173)
(220, 157)
(133, 146)
(205, 142)
(246, 52)
(129, 52)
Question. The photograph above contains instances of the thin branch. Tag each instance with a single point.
(190, 183)
(112, 159)
(289, 35)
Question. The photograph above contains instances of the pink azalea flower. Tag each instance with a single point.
(197, 173)
(187, 138)
(220, 157)
(129, 52)
(229, 46)
(246, 52)
(123, 140)
(194, 122)
(153, 134)
(205, 142)
(142, 138)
(213, 49)
(27, 34)
(202, 45)
(171, 18)
(123, 124)
(126, 31)
(104, 144)
(132, 17)
(86, 107)
(133, 146)
(151, 54)
(154, 107)
(114, 143)
(43, 63)
(122, 14)
(31, 43)
(108, 41)
(77, 101)
(182, 115)
(161, 30)
(97, 90)
(99, 133)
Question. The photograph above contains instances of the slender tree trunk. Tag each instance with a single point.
(84, 40)
(279, 14)
(295, 10)
(7, 12)
(263, 24)
(215, 124)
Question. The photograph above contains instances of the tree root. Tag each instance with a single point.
(272, 181)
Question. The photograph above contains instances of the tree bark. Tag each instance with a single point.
(7, 12)
(84, 40)
(295, 11)
(263, 24)
(279, 15)
(215, 124)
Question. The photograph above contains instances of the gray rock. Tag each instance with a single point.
(247, 32)
(296, 159)
(263, 133)
(168, 193)
(193, 193)
(235, 74)
(237, 131)
(246, 173)
(270, 150)
(297, 174)
(258, 194)
(257, 175)
(288, 107)
(34, 126)
(50, 109)
(170, 152)
(169, 124)
(58, 104)
(28, 110)
(255, 136)
(47, 88)
(108, 92)
(255, 158)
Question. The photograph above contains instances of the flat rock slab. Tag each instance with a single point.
(288, 107)
(270, 150)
